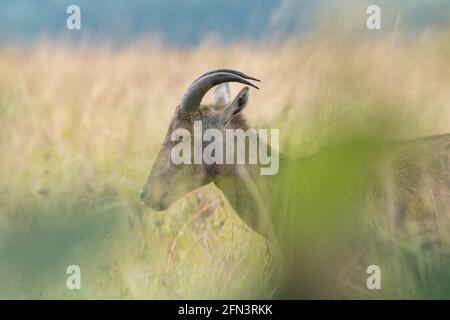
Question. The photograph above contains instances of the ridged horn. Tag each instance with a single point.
(197, 90)
(238, 73)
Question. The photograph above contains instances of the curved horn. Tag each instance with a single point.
(194, 95)
(243, 75)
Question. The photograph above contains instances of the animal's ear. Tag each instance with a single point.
(235, 107)
(222, 94)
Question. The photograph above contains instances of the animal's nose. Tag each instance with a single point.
(143, 194)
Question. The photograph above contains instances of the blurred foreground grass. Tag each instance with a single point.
(80, 129)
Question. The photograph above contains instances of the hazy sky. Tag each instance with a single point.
(182, 22)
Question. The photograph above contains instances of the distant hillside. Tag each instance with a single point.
(175, 21)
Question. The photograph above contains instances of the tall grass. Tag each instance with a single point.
(80, 128)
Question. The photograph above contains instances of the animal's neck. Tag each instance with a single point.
(248, 193)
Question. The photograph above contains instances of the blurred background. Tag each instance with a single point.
(182, 23)
(84, 112)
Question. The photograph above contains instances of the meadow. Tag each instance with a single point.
(81, 127)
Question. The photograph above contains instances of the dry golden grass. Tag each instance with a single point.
(80, 128)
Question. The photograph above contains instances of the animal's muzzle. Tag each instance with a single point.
(149, 201)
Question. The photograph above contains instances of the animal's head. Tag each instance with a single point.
(169, 181)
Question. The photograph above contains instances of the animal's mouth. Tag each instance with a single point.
(160, 206)
(155, 206)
